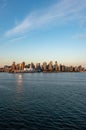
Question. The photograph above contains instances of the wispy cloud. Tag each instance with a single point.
(18, 38)
(64, 11)
(24, 25)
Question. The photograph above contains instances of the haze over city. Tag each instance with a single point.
(43, 30)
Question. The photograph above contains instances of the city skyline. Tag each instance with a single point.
(34, 30)
(44, 67)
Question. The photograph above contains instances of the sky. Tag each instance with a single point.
(43, 30)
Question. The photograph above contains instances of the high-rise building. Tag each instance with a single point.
(44, 66)
(13, 66)
(50, 67)
(56, 67)
(23, 65)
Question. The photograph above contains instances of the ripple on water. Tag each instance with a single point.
(43, 101)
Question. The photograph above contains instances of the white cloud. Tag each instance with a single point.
(17, 38)
(19, 28)
(64, 11)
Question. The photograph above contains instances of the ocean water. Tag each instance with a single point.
(43, 101)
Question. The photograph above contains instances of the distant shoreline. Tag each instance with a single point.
(41, 72)
(44, 67)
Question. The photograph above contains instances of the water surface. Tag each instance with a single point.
(43, 101)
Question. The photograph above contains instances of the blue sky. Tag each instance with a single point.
(43, 30)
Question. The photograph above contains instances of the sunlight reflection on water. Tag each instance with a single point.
(19, 84)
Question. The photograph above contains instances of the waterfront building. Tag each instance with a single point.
(50, 67)
(23, 65)
(60, 68)
(1, 69)
(80, 68)
(44, 66)
(29, 68)
(76, 69)
(56, 67)
(20, 66)
(13, 66)
(71, 68)
(17, 67)
(7, 68)
(38, 67)
(66, 69)
(32, 65)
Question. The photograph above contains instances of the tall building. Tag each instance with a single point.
(60, 67)
(50, 67)
(32, 65)
(23, 65)
(56, 67)
(44, 66)
(38, 67)
(13, 66)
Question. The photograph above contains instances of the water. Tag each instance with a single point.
(43, 101)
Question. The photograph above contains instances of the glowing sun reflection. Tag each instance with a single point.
(19, 83)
